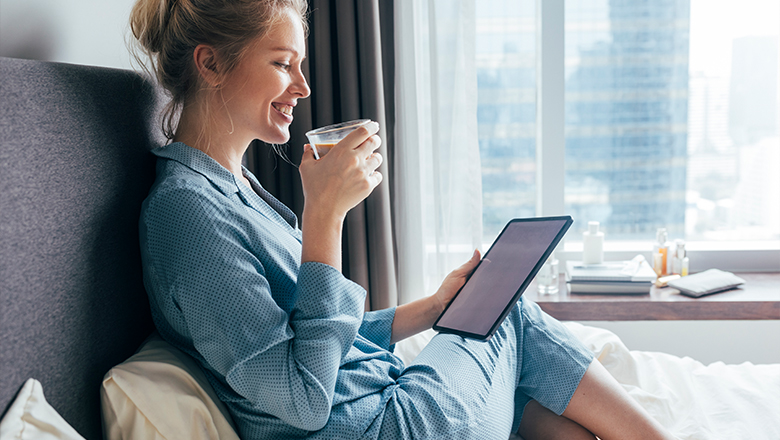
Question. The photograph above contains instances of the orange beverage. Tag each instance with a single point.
(324, 138)
(322, 149)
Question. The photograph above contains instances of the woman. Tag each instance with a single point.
(263, 306)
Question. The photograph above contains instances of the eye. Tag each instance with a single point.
(283, 65)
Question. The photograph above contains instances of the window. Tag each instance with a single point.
(733, 183)
(506, 111)
(626, 97)
(670, 120)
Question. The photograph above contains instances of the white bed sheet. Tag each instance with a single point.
(694, 401)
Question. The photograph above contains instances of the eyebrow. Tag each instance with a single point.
(284, 49)
(288, 49)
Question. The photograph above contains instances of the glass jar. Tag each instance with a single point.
(547, 278)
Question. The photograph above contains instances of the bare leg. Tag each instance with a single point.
(539, 423)
(602, 406)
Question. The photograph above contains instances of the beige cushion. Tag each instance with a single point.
(30, 417)
(161, 393)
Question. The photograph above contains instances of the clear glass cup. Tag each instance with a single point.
(324, 138)
(547, 278)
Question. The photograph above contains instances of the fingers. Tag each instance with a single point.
(363, 140)
(371, 166)
(374, 161)
(371, 144)
(349, 172)
(470, 265)
(360, 135)
(366, 130)
(376, 178)
(308, 152)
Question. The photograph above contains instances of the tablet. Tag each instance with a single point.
(503, 274)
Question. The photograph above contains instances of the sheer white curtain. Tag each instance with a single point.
(438, 183)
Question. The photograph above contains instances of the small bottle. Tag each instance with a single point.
(679, 254)
(661, 253)
(671, 254)
(658, 261)
(681, 260)
(593, 244)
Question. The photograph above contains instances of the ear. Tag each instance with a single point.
(205, 59)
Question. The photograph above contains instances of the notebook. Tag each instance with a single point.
(634, 276)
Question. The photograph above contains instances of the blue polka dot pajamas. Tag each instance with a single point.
(288, 347)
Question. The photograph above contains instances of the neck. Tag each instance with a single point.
(214, 136)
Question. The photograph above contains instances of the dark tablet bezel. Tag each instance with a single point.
(508, 308)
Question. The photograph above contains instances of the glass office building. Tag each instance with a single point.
(506, 111)
(626, 113)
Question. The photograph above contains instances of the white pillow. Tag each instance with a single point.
(161, 393)
(31, 417)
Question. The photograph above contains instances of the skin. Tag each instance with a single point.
(256, 100)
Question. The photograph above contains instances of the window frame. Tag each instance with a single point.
(741, 256)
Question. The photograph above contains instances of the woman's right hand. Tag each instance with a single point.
(332, 186)
(344, 177)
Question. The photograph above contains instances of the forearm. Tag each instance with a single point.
(414, 317)
(321, 238)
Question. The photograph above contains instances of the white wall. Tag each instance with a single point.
(73, 31)
(732, 342)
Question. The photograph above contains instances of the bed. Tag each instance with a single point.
(78, 352)
(694, 401)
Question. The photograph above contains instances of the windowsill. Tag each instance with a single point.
(736, 256)
(633, 246)
(757, 299)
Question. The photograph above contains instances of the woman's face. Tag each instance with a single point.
(263, 89)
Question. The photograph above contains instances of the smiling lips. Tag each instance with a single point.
(284, 108)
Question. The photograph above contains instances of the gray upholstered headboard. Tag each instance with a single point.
(74, 169)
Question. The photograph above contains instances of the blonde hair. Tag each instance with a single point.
(167, 32)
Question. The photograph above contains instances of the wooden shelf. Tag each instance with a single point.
(758, 298)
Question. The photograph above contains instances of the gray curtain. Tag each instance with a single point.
(350, 71)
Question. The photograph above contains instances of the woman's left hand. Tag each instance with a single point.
(455, 280)
(413, 317)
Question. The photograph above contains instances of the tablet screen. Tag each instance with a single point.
(501, 277)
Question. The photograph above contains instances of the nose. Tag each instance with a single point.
(299, 85)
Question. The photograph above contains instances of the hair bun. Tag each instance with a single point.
(148, 20)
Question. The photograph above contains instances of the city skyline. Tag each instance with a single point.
(649, 127)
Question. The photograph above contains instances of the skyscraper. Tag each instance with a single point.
(626, 115)
(655, 137)
(506, 111)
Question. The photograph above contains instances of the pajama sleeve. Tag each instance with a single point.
(284, 364)
(377, 327)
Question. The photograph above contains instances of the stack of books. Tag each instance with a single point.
(621, 277)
